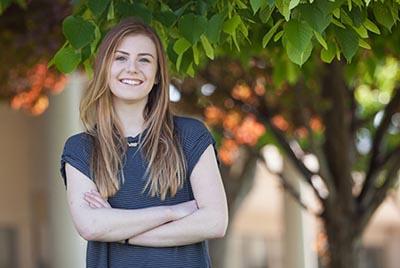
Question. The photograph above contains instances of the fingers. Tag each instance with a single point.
(95, 200)
(92, 201)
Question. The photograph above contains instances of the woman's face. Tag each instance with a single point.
(133, 69)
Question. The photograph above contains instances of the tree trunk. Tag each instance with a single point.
(344, 247)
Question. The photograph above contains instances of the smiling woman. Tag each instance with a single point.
(144, 186)
(134, 68)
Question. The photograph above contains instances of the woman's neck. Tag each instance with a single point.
(131, 116)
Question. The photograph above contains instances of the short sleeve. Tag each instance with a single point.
(196, 139)
(77, 153)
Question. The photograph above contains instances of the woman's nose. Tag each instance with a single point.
(131, 67)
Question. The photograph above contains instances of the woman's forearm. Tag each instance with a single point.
(110, 224)
(97, 220)
(199, 226)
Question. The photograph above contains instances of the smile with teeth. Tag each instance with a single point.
(133, 82)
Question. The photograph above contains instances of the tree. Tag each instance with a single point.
(247, 111)
(296, 49)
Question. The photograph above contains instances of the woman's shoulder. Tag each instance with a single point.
(186, 123)
(81, 140)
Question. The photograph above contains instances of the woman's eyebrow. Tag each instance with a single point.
(140, 54)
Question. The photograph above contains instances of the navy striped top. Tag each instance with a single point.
(195, 138)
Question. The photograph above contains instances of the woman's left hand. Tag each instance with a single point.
(95, 200)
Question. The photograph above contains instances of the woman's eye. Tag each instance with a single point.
(120, 58)
(144, 60)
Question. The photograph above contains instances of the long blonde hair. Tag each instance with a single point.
(159, 146)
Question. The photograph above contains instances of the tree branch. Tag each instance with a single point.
(367, 209)
(289, 188)
(315, 149)
(280, 136)
(376, 162)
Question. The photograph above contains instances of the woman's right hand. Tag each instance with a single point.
(94, 200)
(184, 209)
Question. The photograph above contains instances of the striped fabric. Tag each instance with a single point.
(195, 138)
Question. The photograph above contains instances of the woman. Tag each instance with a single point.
(143, 185)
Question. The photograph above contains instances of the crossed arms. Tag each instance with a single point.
(206, 217)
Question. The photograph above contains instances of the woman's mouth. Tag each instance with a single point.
(131, 82)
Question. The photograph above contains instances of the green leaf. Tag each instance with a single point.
(348, 42)
(78, 31)
(293, 3)
(364, 44)
(207, 47)
(394, 9)
(135, 9)
(181, 45)
(362, 31)
(345, 18)
(278, 36)
(190, 70)
(201, 8)
(111, 13)
(298, 33)
(316, 16)
(358, 16)
(296, 55)
(192, 27)
(336, 13)
(371, 26)
(97, 37)
(230, 25)
(255, 5)
(243, 29)
(182, 9)
(240, 4)
(88, 69)
(267, 37)
(284, 8)
(383, 15)
(337, 49)
(338, 23)
(98, 6)
(327, 55)
(186, 61)
(85, 53)
(196, 56)
(67, 59)
(265, 13)
(320, 39)
(51, 62)
(271, 3)
(178, 62)
(214, 28)
(172, 55)
(167, 18)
